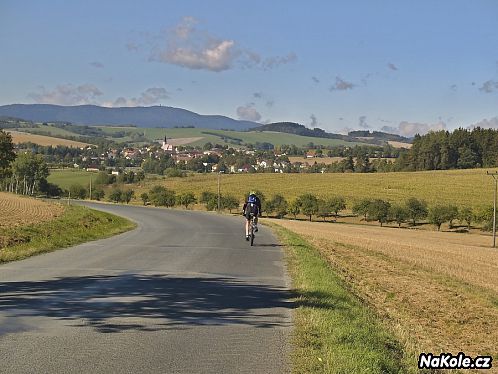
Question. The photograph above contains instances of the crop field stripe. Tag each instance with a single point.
(334, 331)
(461, 187)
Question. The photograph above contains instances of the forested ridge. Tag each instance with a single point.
(460, 149)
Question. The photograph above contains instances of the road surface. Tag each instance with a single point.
(183, 293)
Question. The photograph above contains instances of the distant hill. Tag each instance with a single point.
(378, 135)
(375, 137)
(154, 116)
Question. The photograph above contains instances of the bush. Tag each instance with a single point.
(77, 191)
(161, 196)
(186, 199)
(229, 202)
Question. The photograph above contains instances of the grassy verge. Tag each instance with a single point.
(334, 331)
(77, 225)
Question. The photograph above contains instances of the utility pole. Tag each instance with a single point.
(494, 175)
(219, 196)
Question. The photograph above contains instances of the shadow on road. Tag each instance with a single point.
(147, 302)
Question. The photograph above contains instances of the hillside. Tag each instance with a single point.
(154, 116)
(375, 137)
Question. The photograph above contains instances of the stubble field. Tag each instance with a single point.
(438, 292)
(17, 210)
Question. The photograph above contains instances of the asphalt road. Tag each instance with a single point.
(183, 293)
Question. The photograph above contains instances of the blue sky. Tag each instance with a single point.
(402, 66)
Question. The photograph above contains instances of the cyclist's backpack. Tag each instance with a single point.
(251, 199)
(252, 208)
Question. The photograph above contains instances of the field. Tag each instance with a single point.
(437, 292)
(215, 136)
(23, 137)
(470, 187)
(18, 210)
(64, 178)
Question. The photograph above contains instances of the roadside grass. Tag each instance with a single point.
(334, 331)
(76, 225)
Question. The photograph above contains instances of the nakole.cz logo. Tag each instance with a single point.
(448, 361)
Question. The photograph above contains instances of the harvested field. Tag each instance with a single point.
(22, 137)
(399, 144)
(183, 141)
(18, 210)
(437, 291)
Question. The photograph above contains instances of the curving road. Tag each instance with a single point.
(183, 293)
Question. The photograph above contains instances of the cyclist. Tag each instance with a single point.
(252, 207)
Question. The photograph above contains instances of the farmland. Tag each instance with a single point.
(470, 187)
(64, 178)
(202, 136)
(23, 137)
(436, 292)
(16, 210)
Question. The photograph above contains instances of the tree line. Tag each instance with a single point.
(460, 149)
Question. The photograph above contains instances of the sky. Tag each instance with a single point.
(399, 66)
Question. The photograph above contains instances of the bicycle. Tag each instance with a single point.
(252, 226)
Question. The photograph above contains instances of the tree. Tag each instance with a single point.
(186, 199)
(438, 215)
(98, 193)
(77, 191)
(336, 204)
(127, 195)
(398, 214)
(145, 197)
(161, 196)
(485, 216)
(116, 195)
(29, 171)
(279, 205)
(229, 202)
(466, 215)
(378, 210)
(295, 208)
(361, 208)
(7, 154)
(309, 204)
(417, 209)
(452, 214)
(323, 209)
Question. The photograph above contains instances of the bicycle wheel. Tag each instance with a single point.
(252, 234)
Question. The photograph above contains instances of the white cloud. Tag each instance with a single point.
(489, 86)
(486, 123)
(187, 46)
(248, 113)
(314, 121)
(341, 85)
(97, 64)
(362, 122)
(150, 96)
(410, 129)
(67, 94)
